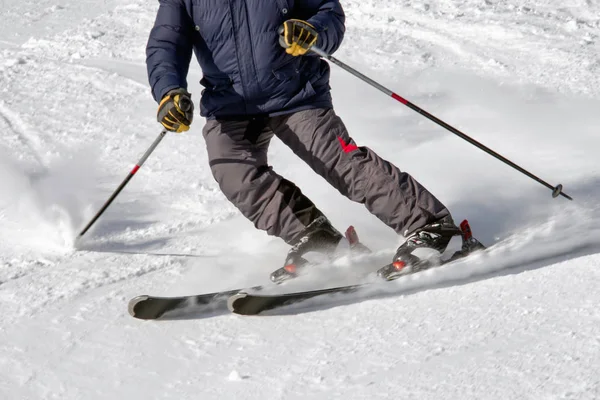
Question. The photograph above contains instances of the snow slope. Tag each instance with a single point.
(519, 322)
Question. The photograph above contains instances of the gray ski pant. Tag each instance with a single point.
(237, 150)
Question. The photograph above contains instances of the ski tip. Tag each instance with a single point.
(134, 302)
(232, 300)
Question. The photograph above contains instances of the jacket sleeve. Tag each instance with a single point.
(327, 16)
(169, 49)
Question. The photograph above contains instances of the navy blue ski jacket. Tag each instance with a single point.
(245, 70)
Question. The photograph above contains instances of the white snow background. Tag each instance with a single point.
(522, 321)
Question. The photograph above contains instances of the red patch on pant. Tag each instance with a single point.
(347, 147)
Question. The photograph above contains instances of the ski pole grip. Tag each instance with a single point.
(282, 42)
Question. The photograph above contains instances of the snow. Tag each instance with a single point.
(521, 321)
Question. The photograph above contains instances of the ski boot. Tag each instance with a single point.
(320, 236)
(432, 239)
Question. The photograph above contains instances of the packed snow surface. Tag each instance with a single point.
(521, 321)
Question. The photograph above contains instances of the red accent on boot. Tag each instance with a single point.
(291, 268)
(352, 236)
(466, 230)
(399, 265)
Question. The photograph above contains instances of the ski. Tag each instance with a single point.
(153, 307)
(247, 302)
(244, 303)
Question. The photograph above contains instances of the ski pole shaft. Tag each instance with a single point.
(125, 181)
(556, 190)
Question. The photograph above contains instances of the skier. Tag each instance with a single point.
(254, 89)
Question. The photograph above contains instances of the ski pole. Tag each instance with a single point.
(556, 190)
(125, 182)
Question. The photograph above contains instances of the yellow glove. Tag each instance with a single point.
(176, 111)
(298, 36)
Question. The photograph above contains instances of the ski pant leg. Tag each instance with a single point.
(237, 152)
(320, 138)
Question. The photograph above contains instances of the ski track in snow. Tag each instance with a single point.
(519, 322)
(16, 127)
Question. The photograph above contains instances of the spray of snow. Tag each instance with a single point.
(47, 208)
